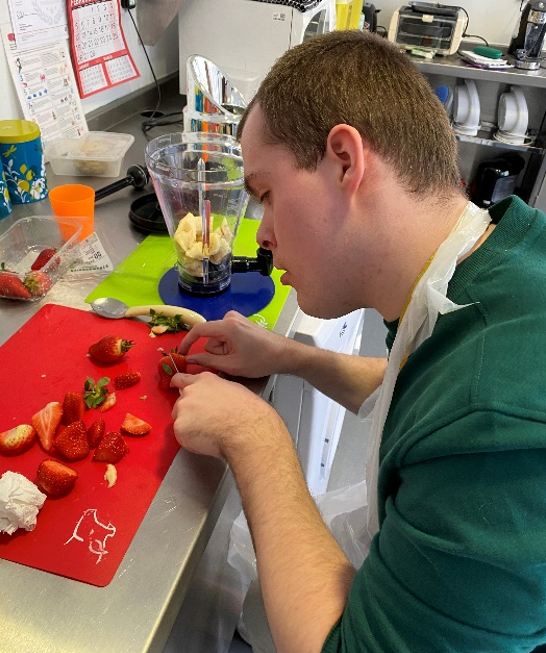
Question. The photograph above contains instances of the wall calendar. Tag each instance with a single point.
(100, 55)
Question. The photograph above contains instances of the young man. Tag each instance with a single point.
(355, 164)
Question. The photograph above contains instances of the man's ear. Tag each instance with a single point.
(344, 148)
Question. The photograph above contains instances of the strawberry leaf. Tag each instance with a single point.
(95, 393)
(167, 369)
(173, 324)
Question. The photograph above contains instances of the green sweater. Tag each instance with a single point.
(459, 563)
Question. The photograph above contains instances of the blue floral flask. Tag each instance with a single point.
(5, 201)
(23, 160)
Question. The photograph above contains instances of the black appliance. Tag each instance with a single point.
(370, 17)
(496, 179)
(526, 46)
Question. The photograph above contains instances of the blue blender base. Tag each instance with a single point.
(248, 293)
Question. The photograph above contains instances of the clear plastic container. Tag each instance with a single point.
(21, 244)
(95, 154)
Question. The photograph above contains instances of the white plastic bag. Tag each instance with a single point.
(345, 513)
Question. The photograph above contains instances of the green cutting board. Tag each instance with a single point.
(135, 281)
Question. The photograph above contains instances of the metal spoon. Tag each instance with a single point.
(116, 309)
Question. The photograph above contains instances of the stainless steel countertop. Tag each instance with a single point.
(44, 613)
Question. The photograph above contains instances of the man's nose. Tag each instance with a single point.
(264, 235)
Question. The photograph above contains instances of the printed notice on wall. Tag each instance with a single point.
(99, 51)
(37, 22)
(46, 87)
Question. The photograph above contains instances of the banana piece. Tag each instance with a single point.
(188, 317)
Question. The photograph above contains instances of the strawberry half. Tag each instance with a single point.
(73, 408)
(110, 349)
(95, 432)
(55, 479)
(126, 380)
(44, 257)
(38, 283)
(111, 449)
(17, 440)
(166, 369)
(46, 422)
(71, 443)
(134, 425)
(11, 286)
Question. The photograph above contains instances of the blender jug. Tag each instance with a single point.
(199, 184)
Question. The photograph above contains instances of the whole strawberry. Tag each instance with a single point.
(166, 368)
(38, 283)
(126, 380)
(44, 257)
(110, 349)
(11, 285)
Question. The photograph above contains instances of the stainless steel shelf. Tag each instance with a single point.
(455, 66)
(491, 142)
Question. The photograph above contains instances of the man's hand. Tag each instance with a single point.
(220, 418)
(237, 346)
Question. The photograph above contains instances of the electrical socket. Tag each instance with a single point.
(128, 4)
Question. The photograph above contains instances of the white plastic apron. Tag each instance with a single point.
(427, 301)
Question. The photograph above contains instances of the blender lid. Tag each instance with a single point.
(145, 214)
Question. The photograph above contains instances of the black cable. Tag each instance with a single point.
(144, 124)
(465, 33)
(474, 36)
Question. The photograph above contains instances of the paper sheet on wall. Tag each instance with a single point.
(99, 51)
(46, 87)
(38, 22)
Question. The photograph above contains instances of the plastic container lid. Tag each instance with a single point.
(18, 131)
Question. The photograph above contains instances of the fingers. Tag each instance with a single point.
(181, 380)
(191, 337)
(214, 329)
(205, 360)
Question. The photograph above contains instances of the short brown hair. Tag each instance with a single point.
(359, 79)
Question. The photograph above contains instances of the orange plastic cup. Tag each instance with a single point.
(77, 202)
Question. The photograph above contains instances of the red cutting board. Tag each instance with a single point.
(85, 534)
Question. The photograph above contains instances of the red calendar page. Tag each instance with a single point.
(100, 55)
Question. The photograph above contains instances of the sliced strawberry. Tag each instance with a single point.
(44, 257)
(126, 380)
(110, 349)
(73, 408)
(95, 432)
(134, 426)
(46, 421)
(109, 402)
(17, 440)
(166, 369)
(12, 286)
(111, 449)
(55, 479)
(71, 443)
(38, 283)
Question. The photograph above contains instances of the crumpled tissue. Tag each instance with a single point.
(20, 502)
